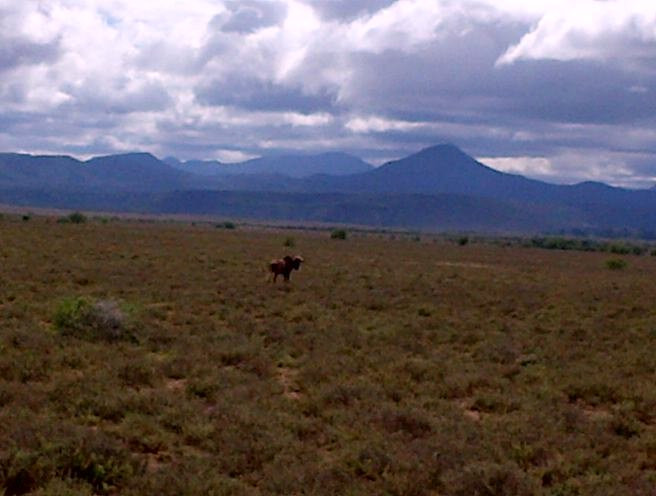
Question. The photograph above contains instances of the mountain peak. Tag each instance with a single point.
(445, 159)
(135, 156)
(444, 150)
(441, 147)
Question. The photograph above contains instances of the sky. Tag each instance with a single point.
(559, 90)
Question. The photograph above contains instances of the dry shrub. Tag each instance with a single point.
(34, 456)
(25, 355)
(193, 475)
(370, 461)
(137, 373)
(616, 264)
(489, 479)
(102, 320)
(413, 423)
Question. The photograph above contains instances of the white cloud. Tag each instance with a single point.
(589, 29)
(401, 26)
(233, 156)
(379, 124)
(574, 166)
(528, 166)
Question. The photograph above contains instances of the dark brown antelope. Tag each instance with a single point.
(285, 266)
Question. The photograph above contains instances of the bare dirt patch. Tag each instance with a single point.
(287, 378)
(176, 384)
(468, 411)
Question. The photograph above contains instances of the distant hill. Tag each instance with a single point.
(334, 163)
(440, 187)
(438, 169)
(447, 169)
(125, 172)
(201, 167)
(29, 171)
(136, 172)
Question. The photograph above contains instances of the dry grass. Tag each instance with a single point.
(384, 367)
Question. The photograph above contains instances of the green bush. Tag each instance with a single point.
(616, 264)
(463, 240)
(101, 320)
(289, 242)
(70, 313)
(338, 234)
(620, 249)
(559, 243)
(77, 218)
(226, 225)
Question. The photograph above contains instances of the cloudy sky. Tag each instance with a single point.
(562, 90)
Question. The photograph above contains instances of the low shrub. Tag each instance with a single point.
(137, 373)
(620, 249)
(36, 456)
(226, 225)
(338, 234)
(616, 264)
(578, 244)
(289, 243)
(193, 475)
(490, 478)
(408, 422)
(77, 218)
(102, 320)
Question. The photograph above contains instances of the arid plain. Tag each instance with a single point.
(392, 365)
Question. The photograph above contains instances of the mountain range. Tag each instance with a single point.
(334, 163)
(438, 188)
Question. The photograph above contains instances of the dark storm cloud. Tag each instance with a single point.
(585, 92)
(262, 95)
(457, 77)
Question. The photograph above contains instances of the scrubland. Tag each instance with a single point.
(386, 366)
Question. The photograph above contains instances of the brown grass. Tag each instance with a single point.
(383, 367)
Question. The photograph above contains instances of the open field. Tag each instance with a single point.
(385, 367)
